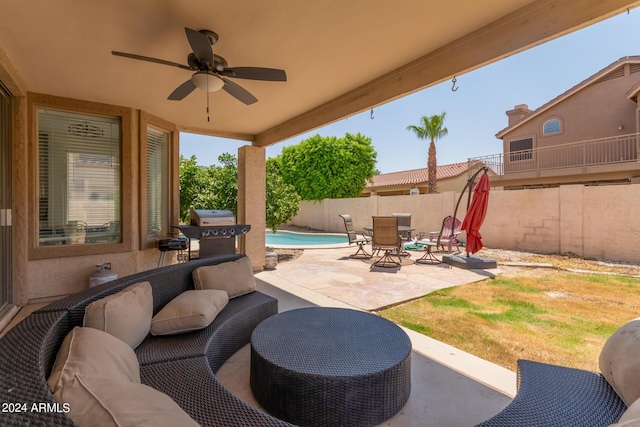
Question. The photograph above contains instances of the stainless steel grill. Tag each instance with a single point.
(209, 218)
(216, 230)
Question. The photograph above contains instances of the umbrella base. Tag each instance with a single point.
(469, 262)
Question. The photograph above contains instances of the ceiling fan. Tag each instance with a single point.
(211, 70)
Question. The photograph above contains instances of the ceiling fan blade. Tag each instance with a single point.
(201, 46)
(149, 59)
(181, 91)
(238, 92)
(256, 73)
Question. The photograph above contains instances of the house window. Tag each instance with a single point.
(79, 200)
(521, 149)
(158, 212)
(551, 126)
(159, 171)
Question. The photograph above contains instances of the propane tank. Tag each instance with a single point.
(103, 274)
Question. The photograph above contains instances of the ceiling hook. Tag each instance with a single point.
(453, 84)
(372, 113)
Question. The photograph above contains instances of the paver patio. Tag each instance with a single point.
(331, 272)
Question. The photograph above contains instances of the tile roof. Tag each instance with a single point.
(418, 176)
(586, 82)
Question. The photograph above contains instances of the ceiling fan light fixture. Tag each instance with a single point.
(207, 82)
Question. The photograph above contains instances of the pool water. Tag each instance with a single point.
(302, 240)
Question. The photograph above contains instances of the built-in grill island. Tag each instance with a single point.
(216, 230)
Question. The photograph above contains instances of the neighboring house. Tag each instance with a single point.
(450, 178)
(587, 135)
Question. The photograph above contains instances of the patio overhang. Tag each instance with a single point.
(340, 57)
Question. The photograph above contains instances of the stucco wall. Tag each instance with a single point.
(599, 222)
(594, 112)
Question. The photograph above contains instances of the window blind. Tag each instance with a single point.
(157, 182)
(79, 173)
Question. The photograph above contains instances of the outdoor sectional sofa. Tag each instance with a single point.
(551, 395)
(182, 366)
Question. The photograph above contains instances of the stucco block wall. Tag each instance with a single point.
(526, 219)
(599, 222)
(612, 222)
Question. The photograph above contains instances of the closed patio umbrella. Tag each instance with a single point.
(475, 215)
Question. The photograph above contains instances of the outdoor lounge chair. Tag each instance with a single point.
(386, 238)
(448, 235)
(353, 238)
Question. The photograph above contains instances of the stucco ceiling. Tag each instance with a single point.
(340, 56)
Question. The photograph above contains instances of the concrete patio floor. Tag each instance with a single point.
(450, 388)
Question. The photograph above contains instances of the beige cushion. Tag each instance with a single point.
(97, 402)
(126, 314)
(235, 277)
(628, 423)
(89, 351)
(620, 361)
(630, 416)
(189, 311)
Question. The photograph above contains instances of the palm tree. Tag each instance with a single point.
(432, 128)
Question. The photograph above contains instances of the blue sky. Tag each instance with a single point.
(476, 111)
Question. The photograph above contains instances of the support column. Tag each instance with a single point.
(252, 205)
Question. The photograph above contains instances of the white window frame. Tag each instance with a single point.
(555, 132)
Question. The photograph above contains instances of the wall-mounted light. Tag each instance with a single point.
(620, 127)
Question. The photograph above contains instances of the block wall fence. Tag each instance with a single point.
(600, 222)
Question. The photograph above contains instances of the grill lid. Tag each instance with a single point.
(208, 218)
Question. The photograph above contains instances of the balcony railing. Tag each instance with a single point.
(603, 151)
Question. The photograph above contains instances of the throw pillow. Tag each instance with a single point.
(189, 311)
(619, 361)
(89, 351)
(125, 315)
(631, 417)
(97, 402)
(235, 277)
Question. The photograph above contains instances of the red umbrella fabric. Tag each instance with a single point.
(476, 213)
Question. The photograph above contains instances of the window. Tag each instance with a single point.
(521, 149)
(79, 178)
(159, 171)
(551, 126)
(157, 182)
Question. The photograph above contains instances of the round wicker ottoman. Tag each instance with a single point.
(329, 366)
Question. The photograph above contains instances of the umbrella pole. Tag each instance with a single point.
(469, 186)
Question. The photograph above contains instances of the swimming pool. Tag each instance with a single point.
(290, 239)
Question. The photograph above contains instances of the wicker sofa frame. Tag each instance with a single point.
(181, 366)
(557, 396)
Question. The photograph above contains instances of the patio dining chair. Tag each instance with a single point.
(386, 238)
(404, 219)
(353, 238)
